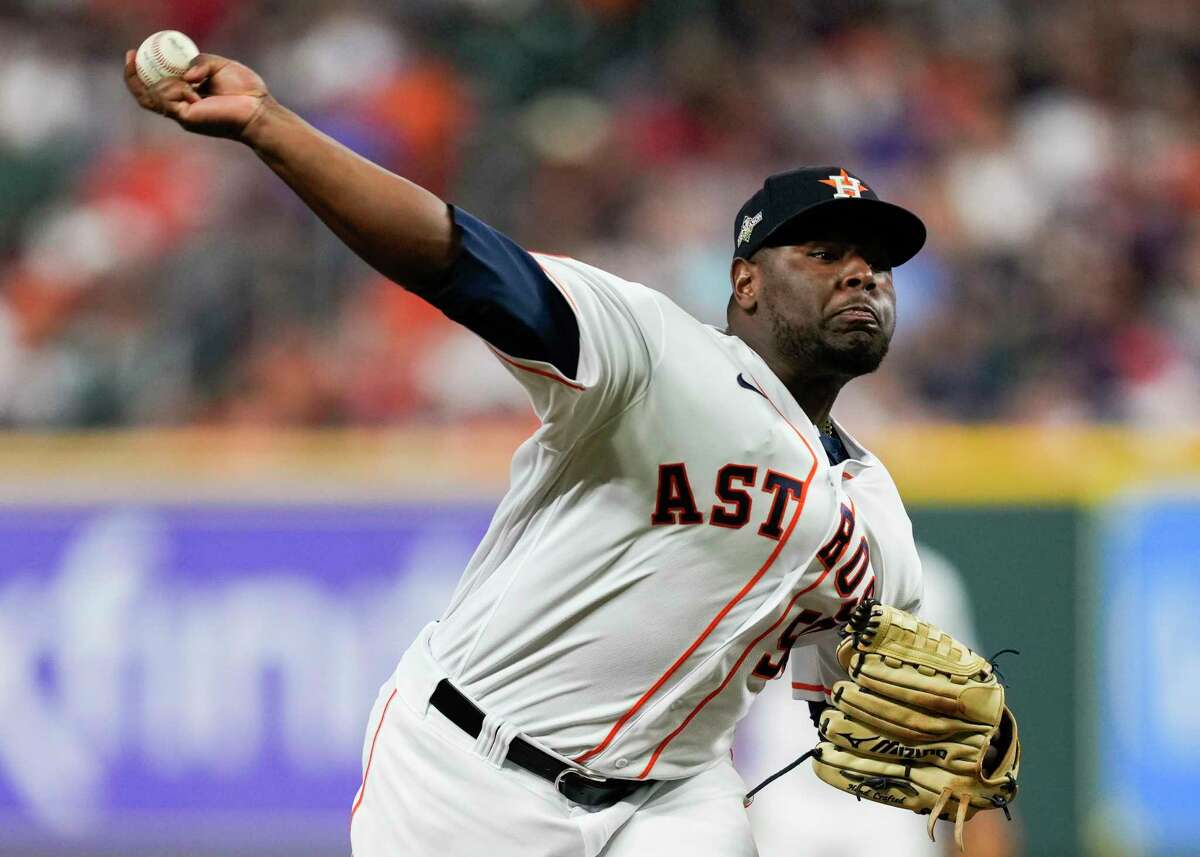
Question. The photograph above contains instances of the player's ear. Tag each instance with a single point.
(745, 277)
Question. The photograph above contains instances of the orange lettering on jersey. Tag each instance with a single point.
(676, 503)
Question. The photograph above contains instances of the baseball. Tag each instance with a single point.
(165, 54)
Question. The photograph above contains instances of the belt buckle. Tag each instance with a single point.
(583, 773)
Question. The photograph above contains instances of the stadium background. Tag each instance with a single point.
(239, 471)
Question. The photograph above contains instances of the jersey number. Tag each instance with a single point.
(846, 578)
(806, 622)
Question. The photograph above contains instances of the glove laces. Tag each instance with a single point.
(992, 660)
(815, 752)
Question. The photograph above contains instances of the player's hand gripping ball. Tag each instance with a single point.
(167, 53)
(921, 724)
(204, 93)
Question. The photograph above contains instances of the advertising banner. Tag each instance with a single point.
(179, 678)
(196, 677)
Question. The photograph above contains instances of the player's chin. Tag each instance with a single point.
(858, 351)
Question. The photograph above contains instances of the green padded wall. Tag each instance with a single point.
(1021, 565)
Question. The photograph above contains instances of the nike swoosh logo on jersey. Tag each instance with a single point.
(742, 382)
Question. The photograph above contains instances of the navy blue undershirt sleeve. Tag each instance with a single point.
(498, 291)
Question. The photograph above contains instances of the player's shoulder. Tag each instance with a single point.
(879, 481)
(883, 475)
(566, 270)
(582, 282)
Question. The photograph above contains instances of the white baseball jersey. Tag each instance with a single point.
(673, 531)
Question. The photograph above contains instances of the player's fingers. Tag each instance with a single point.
(173, 92)
(161, 97)
(132, 82)
(166, 97)
(203, 67)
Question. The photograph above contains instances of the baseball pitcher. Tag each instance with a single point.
(687, 520)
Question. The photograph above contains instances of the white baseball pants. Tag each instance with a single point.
(430, 789)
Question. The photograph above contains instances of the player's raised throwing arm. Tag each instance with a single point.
(474, 274)
(402, 230)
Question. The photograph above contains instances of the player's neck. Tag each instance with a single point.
(814, 390)
(815, 394)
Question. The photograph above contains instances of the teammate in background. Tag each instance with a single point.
(687, 514)
(770, 731)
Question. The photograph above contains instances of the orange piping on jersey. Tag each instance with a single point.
(799, 685)
(574, 308)
(362, 789)
(695, 644)
(536, 253)
(737, 665)
(541, 372)
(654, 688)
(733, 671)
(554, 279)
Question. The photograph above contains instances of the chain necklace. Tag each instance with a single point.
(827, 429)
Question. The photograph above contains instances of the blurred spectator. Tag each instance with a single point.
(150, 277)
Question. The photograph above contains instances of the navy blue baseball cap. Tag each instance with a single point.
(793, 204)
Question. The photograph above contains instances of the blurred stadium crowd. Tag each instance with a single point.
(148, 277)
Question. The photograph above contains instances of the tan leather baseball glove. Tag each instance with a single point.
(920, 723)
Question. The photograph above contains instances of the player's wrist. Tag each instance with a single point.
(267, 128)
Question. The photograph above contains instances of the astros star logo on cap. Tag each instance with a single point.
(846, 185)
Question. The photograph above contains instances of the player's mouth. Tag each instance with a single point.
(858, 315)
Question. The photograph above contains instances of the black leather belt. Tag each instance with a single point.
(576, 784)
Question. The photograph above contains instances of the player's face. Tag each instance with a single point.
(830, 303)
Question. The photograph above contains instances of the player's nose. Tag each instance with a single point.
(858, 273)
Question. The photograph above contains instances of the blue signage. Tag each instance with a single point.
(1148, 689)
(199, 677)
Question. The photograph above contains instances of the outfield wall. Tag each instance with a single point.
(193, 626)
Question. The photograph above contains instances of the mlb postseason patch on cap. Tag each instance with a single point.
(748, 224)
(811, 199)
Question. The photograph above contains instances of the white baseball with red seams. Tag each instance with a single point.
(167, 53)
